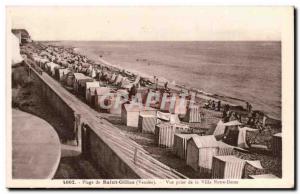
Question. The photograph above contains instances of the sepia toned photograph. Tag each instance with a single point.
(150, 97)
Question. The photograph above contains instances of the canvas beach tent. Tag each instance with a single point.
(242, 136)
(172, 118)
(130, 113)
(164, 133)
(120, 97)
(277, 144)
(180, 144)
(89, 85)
(231, 167)
(91, 96)
(193, 114)
(63, 73)
(102, 95)
(146, 123)
(221, 126)
(200, 152)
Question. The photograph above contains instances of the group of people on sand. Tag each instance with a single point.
(255, 119)
(229, 115)
(213, 105)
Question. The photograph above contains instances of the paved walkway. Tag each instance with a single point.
(145, 165)
(36, 148)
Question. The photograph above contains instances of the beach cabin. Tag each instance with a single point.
(221, 126)
(69, 80)
(151, 98)
(200, 152)
(232, 167)
(56, 72)
(82, 85)
(237, 136)
(91, 96)
(76, 77)
(164, 133)
(277, 144)
(182, 127)
(180, 144)
(63, 73)
(147, 123)
(143, 92)
(102, 98)
(181, 105)
(120, 97)
(167, 103)
(242, 136)
(227, 167)
(43, 62)
(54, 69)
(173, 104)
(88, 85)
(130, 113)
(168, 117)
(193, 114)
(49, 68)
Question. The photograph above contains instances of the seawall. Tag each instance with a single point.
(100, 142)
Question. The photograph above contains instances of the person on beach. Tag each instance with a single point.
(233, 116)
(227, 116)
(166, 86)
(249, 108)
(264, 120)
(219, 106)
(207, 104)
(224, 114)
(133, 91)
(239, 117)
(213, 106)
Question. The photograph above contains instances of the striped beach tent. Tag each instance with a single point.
(231, 167)
(201, 150)
(147, 123)
(193, 114)
(277, 144)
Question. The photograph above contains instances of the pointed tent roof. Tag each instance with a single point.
(205, 141)
(92, 84)
(102, 90)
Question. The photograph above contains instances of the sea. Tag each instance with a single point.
(244, 70)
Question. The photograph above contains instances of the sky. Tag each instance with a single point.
(150, 23)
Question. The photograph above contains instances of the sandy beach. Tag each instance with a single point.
(230, 71)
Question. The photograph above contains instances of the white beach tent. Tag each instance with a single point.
(200, 152)
(172, 118)
(231, 167)
(220, 129)
(62, 73)
(242, 136)
(89, 85)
